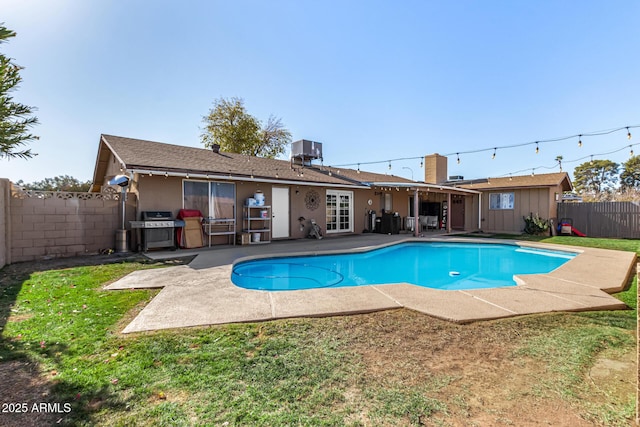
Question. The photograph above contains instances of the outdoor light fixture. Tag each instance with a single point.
(628, 134)
(579, 140)
(359, 167)
(389, 164)
(631, 152)
(421, 163)
(537, 148)
(493, 156)
(458, 155)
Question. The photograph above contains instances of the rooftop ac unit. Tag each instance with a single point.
(306, 150)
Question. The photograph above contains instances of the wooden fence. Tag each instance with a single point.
(604, 219)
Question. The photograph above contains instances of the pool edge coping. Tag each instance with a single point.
(571, 273)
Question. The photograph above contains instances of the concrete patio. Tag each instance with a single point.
(202, 293)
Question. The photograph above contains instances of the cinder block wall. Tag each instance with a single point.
(5, 186)
(43, 228)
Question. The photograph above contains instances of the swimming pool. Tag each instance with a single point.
(447, 266)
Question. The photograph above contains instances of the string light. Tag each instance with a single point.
(591, 162)
(595, 133)
(493, 156)
(532, 171)
(359, 167)
(166, 174)
(631, 152)
(187, 175)
(537, 150)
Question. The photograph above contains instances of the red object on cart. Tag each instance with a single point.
(182, 214)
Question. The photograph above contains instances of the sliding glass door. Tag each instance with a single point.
(214, 199)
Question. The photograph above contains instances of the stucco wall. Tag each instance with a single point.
(160, 193)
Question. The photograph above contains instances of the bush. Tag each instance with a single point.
(533, 224)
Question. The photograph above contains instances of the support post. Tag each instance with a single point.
(480, 212)
(416, 222)
(448, 213)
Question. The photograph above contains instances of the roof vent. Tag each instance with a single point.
(215, 148)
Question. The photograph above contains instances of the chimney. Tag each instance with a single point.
(215, 148)
(435, 169)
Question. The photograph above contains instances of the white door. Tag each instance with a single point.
(280, 212)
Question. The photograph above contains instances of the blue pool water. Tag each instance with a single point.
(434, 265)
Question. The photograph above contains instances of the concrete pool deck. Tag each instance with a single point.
(202, 293)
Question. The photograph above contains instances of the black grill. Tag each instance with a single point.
(157, 229)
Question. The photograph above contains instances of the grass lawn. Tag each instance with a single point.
(60, 344)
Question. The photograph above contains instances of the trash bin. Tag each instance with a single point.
(390, 223)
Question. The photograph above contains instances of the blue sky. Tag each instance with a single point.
(371, 80)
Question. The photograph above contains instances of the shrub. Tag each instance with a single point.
(533, 224)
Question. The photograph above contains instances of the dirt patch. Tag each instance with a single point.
(22, 386)
(474, 369)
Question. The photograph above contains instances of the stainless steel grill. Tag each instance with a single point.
(157, 229)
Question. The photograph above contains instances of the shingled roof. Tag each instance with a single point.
(150, 156)
(522, 181)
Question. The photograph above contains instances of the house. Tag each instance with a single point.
(167, 177)
(505, 201)
(171, 177)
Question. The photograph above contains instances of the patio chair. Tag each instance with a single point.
(429, 221)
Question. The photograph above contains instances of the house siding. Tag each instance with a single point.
(526, 201)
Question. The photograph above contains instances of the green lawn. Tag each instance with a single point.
(289, 372)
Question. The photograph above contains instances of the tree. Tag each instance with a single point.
(559, 160)
(229, 125)
(595, 177)
(15, 118)
(630, 176)
(59, 183)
